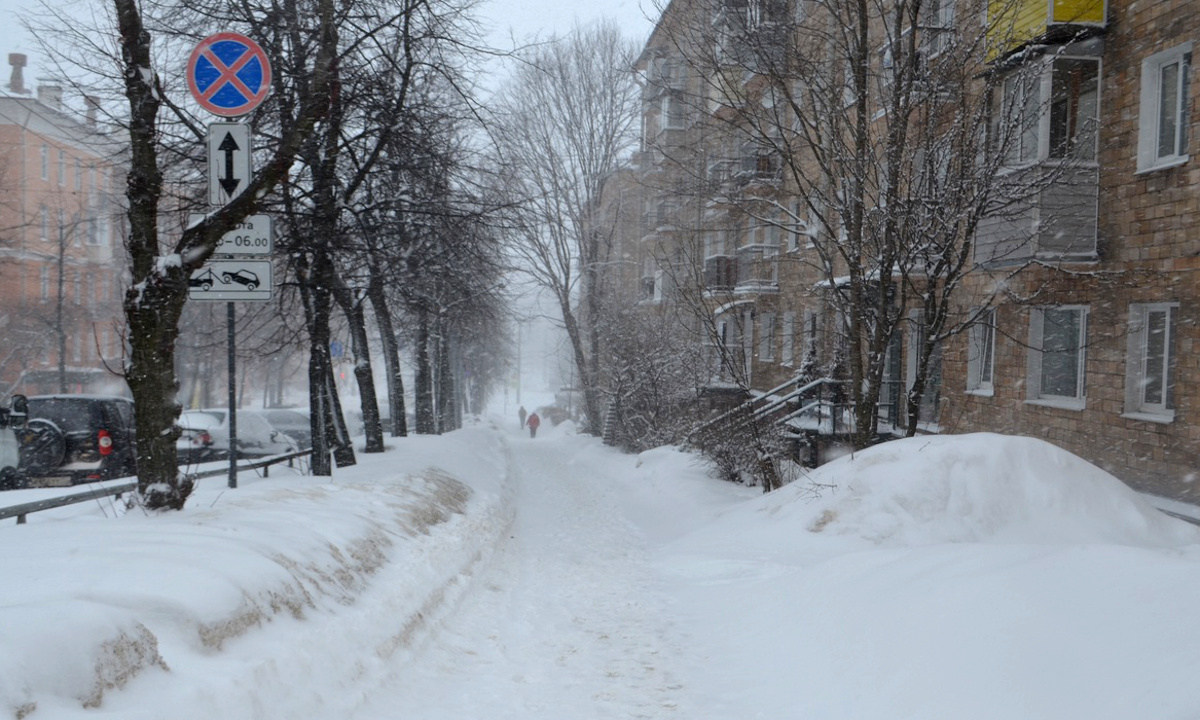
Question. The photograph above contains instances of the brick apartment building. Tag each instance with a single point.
(62, 273)
(1099, 357)
(1076, 318)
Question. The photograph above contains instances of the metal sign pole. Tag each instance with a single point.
(232, 397)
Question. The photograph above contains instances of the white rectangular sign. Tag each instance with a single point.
(229, 167)
(254, 236)
(232, 280)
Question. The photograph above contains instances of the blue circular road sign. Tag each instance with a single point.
(229, 74)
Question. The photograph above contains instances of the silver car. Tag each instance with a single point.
(205, 436)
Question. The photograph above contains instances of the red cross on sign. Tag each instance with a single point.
(229, 74)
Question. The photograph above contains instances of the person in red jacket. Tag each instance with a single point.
(533, 421)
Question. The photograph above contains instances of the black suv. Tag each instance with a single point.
(70, 439)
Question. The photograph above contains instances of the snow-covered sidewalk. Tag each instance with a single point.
(484, 575)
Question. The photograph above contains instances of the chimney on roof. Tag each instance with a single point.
(16, 82)
(50, 95)
(92, 103)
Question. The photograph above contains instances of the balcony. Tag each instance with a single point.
(758, 268)
(1054, 222)
(1016, 23)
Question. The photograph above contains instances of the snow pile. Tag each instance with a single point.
(940, 578)
(979, 488)
(149, 592)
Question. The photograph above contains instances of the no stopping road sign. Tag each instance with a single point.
(229, 74)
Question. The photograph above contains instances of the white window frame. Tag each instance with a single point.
(787, 350)
(747, 329)
(672, 113)
(1034, 393)
(916, 337)
(981, 354)
(45, 162)
(1150, 116)
(811, 333)
(766, 337)
(715, 244)
(1137, 357)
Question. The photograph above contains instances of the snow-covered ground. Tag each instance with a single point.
(486, 575)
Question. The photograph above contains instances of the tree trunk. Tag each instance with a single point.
(447, 410)
(320, 365)
(591, 394)
(391, 357)
(353, 309)
(426, 420)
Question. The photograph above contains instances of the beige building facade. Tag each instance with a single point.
(62, 274)
(1075, 318)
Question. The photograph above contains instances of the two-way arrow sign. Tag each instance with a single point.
(229, 167)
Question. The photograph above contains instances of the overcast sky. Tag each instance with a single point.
(506, 20)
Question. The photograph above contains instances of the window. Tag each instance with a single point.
(816, 217)
(714, 243)
(62, 167)
(787, 353)
(812, 337)
(1015, 125)
(1074, 109)
(45, 162)
(1028, 126)
(1150, 363)
(931, 396)
(45, 280)
(1163, 114)
(78, 175)
(981, 353)
(937, 27)
(44, 222)
(747, 348)
(766, 337)
(1057, 342)
(673, 113)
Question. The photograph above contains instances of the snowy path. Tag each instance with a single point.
(565, 621)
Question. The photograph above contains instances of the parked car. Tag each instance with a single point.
(12, 419)
(294, 424)
(70, 439)
(206, 436)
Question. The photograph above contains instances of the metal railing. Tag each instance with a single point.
(20, 512)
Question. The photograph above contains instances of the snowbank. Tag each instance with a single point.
(92, 603)
(978, 488)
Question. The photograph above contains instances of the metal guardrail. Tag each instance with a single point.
(20, 512)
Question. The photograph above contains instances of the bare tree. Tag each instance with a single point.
(564, 122)
(880, 135)
(155, 301)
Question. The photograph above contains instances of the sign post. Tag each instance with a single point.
(230, 75)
